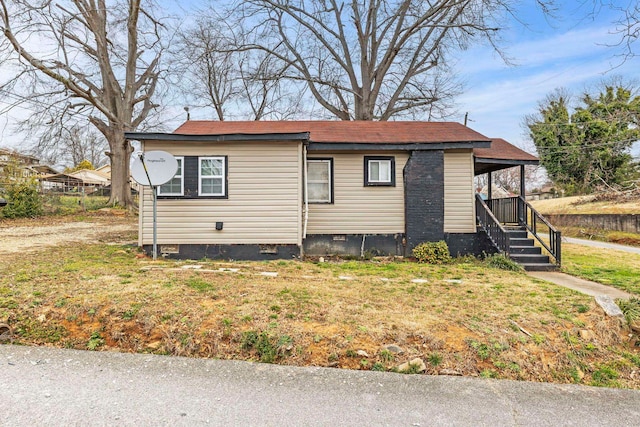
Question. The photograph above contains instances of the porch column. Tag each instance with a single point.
(522, 189)
(521, 210)
(489, 185)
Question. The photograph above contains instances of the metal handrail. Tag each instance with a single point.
(490, 224)
(516, 210)
(530, 219)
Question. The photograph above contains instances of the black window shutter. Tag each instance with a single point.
(191, 176)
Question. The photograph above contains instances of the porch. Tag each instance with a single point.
(512, 225)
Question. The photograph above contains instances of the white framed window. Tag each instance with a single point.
(320, 180)
(379, 171)
(175, 187)
(211, 176)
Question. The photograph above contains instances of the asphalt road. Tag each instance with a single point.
(43, 386)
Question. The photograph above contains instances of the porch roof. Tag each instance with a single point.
(501, 155)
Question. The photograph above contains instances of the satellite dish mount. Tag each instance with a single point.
(153, 169)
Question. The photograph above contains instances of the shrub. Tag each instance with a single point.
(502, 262)
(24, 201)
(432, 252)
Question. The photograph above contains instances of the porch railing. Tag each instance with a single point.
(492, 226)
(516, 210)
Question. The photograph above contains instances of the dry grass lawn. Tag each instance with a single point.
(585, 205)
(464, 318)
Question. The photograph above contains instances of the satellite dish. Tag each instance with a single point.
(153, 167)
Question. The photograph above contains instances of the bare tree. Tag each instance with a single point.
(625, 24)
(235, 83)
(376, 59)
(208, 67)
(71, 145)
(96, 58)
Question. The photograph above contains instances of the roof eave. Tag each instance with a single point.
(176, 137)
(514, 162)
(417, 146)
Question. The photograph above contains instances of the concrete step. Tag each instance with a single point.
(540, 267)
(521, 241)
(530, 258)
(517, 234)
(531, 250)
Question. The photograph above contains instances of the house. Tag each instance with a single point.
(545, 193)
(81, 181)
(21, 165)
(262, 190)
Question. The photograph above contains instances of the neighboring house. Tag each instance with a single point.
(105, 170)
(82, 181)
(497, 191)
(545, 193)
(27, 165)
(262, 190)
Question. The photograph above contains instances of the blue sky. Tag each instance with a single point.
(570, 52)
(573, 51)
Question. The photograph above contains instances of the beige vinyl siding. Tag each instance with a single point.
(263, 205)
(358, 209)
(459, 203)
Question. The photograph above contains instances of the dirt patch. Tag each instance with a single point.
(35, 234)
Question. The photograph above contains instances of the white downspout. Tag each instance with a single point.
(306, 193)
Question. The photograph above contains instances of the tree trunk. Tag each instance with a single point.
(119, 155)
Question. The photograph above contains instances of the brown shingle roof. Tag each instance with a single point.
(368, 132)
(502, 150)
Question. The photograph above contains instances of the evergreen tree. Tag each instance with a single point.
(588, 148)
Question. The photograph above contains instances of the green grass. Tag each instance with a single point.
(100, 296)
(609, 267)
(70, 204)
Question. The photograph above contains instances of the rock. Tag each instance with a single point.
(609, 306)
(269, 273)
(394, 349)
(362, 353)
(5, 332)
(42, 318)
(416, 365)
(452, 372)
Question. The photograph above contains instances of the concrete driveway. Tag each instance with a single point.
(43, 386)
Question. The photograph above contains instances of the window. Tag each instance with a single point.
(320, 180)
(175, 187)
(211, 180)
(379, 171)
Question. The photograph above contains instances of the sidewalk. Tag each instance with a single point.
(605, 245)
(44, 386)
(581, 285)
